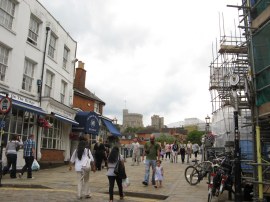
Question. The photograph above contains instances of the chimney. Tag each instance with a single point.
(80, 76)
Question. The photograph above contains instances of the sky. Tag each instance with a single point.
(151, 57)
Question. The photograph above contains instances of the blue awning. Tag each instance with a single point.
(27, 107)
(113, 130)
(88, 123)
(65, 119)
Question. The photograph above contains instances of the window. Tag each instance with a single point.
(3, 61)
(96, 107)
(28, 75)
(63, 91)
(33, 30)
(65, 57)
(51, 138)
(48, 84)
(52, 46)
(7, 10)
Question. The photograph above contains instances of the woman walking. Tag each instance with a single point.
(114, 156)
(79, 157)
(11, 154)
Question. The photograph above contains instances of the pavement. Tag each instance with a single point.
(59, 184)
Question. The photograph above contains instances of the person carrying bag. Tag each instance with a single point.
(116, 172)
(82, 158)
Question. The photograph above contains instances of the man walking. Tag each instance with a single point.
(152, 153)
(135, 146)
(29, 154)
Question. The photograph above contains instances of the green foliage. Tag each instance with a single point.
(195, 136)
(132, 130)
(165, 138)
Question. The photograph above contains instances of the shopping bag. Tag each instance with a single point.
(35, 165)
(125, 182)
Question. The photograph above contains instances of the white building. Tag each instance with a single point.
(37, 61)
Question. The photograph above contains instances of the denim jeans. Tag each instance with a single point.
(148, 164)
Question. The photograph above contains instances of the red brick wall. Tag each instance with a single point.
(52, 155)
(85, 104)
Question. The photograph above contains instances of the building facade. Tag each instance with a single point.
(133, 120)
(157, 122)
(37, 58)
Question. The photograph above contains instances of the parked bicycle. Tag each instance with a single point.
(195, 173)
(221, 178)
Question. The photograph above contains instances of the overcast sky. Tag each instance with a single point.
(148, 56)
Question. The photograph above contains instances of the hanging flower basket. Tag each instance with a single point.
(44, 123)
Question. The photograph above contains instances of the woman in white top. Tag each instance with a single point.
(78, 158)
(11, 154)
(114, 156)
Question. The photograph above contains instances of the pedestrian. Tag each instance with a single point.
(152, 153)
(168, 151)
(195, 149)
(189, 151)
(29, 155)
(182, 151)
(11, 153)
(135, 146)
(79, 157)
(162, 151)
(99, 151)
(159, 174)
(175, 150)
(114, 156)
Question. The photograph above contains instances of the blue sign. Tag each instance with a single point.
(2, 124)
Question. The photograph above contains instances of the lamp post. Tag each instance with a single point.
(204, 138)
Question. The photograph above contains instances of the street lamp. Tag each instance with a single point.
(207, 121)
(204, 139)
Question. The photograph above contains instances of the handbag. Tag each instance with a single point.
(87, 163)
(119, 169)
(86, 166)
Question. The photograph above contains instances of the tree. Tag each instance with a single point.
(165, 138)
(195, 137)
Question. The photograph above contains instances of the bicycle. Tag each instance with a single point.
(195, 173)
(221, 178)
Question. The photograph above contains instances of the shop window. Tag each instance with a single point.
(52, 137)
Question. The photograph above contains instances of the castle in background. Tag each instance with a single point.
(133, 120)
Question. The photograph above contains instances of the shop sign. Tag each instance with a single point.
(5, 105)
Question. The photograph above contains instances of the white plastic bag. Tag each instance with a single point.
(35, 165)
(125, 182)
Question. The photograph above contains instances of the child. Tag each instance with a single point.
(159, 174)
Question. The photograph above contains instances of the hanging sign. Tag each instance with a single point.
(5, 105)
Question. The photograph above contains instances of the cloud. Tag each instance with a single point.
(149, 56)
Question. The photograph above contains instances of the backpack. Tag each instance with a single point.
(175, 147)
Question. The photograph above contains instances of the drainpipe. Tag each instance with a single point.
(40, 83)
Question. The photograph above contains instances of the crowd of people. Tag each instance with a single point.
(103, 155)
(152, 156)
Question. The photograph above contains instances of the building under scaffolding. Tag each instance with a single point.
(240, 81)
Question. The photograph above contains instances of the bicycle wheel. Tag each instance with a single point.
(210, 195)
(192, 175)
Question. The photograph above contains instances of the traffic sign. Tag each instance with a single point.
(5, 105)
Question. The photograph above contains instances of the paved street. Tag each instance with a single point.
(59, 184)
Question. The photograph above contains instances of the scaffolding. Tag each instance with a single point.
(241, 64)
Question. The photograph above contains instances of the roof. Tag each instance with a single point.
(88, 94)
